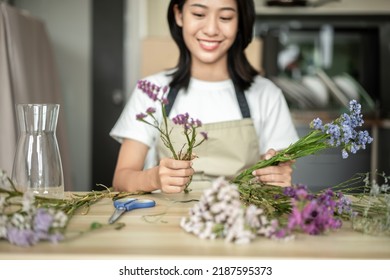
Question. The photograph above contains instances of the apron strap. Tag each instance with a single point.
(242, 102)
(241, 99)
(171, 99)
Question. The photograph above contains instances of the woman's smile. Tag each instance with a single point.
(209, 45)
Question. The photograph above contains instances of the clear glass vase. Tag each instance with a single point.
(37, 165)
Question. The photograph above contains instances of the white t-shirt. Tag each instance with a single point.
(212, 102)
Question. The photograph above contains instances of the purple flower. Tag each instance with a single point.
(140, 116)
(343, 204)
(181, 119)
(42, 220)
(295, 219)
(21, 237)
(204, 134)
(152, 90)
(313, 214)
(150, 110)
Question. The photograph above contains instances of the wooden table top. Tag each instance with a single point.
(155, 233)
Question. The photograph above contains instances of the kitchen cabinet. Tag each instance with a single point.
(360, 36)
(336, 7)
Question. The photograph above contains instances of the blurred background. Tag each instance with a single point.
(320, 53)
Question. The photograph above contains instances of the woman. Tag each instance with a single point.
(245, 115)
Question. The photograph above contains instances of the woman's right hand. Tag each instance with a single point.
(174, 174)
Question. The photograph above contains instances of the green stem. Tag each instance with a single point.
(168, 144)
(312, 143)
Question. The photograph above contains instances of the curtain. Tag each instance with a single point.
(28, 74)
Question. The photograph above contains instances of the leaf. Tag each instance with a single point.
(95, 225)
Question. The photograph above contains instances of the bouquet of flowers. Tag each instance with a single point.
(338, 133)
(189, 124)
(222, 213)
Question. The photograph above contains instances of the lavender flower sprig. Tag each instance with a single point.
(190, 125)
(338, 133)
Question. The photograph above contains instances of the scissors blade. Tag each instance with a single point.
(115, 216)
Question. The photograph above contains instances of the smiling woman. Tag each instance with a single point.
(212, 37)
(211, 31)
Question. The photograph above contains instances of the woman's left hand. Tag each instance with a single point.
(279, 175)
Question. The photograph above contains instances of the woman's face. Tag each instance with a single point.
(209, 29)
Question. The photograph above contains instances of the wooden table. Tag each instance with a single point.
(156, 233)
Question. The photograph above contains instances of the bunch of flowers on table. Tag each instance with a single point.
(242, 209)
(220, 214)
(26, 219)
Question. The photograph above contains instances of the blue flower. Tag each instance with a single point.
(335, 135)
(341, 132)
(317, 124)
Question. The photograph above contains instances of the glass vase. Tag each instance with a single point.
(37, 164)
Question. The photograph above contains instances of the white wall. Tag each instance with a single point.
(69, 27)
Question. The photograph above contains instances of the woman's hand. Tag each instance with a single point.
(279, 175)
(174, 174)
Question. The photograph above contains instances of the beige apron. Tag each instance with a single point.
(231, 147)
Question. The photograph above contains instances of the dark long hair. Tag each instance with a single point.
(240, 70)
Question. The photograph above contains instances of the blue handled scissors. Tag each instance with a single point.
(127, 204)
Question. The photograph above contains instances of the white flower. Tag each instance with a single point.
(28, 202)
(375, 189)
(60, 218)
(21, 222)
(220, 213)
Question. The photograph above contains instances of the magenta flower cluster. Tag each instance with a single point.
(188, 123)
(315, 214)
(153, 91)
